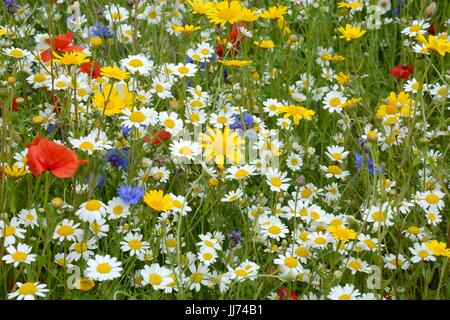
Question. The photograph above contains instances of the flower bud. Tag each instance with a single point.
(11, 80)
(213, 182)
(431, 9)
(57, 202)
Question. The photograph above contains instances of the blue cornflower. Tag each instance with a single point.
(237, 124)
(100, 30)
(397, 9)
(126, 130)
(129, 194)
(118, 158)
(50, 128)
(361, 162)
(100, 180)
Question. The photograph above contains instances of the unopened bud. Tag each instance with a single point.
(20, 100)
(11, 80)
(431, 9)
(57, 202)
(213, 182)
(174, 104)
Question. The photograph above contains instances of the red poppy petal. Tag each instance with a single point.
(46, 55)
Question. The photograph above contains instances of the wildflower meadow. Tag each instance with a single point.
(196, 149)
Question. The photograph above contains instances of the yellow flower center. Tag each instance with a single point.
(194, 117)
(9, 231)
(334, 170)
(290, 262)
(276, 181)
(135, 244)
(423, 254)
(155, 279)
(137, 117)
(116, 16)
(65, 231)
(413, 230)
(183, 70)
(185, 151)
(344, 297)
(169, 123)
(87, 145)
(416, 86)
(306, 193)
(19, 256)
(315, 215)
(415, 28)
(208, 243)
(241, 173)
(39, 77)
(81, 247)
(159, 88)
(320, 240)
(104, 268)
(432, 199)
(302, 252)
(334, 102)
(28, 288)
(207, 256)
(369, 243)
(171, 243)
(196, 277)
(136, 63)
(442, 91)
(118, 210)
(60, 84)
(336, 156)
(16, 53)
(93, 205)
(97, 228)
(372, 135)
(241, 272)
(197, 104)
(274, 230)
(378, 216)
(355, 265)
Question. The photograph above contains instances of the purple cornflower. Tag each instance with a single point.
(11, 5)
(234, 238)
(129, 194)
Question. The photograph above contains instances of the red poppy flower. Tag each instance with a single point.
(236, 38)
(158, 137)
(14, 104)
(402, 72)
(236, 35)
(45, 155)
(286, 294)
(91, 68)
(60, 43)
(432, 29)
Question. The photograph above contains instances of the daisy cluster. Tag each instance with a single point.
(224, 150)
